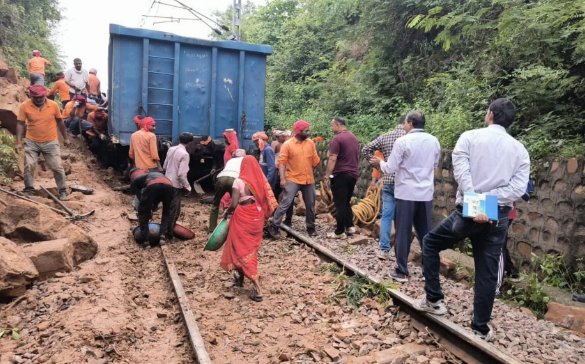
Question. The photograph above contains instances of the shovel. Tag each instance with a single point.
(198, 187)
(72, 215)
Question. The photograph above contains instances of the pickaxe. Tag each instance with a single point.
(72, 215)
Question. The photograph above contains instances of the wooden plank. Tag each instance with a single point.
(459, 339)
(192, 329)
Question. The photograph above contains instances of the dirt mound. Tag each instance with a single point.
(16, 270)
(24, 222)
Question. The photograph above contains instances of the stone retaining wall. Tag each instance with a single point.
(552, 222)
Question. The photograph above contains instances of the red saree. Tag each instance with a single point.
(247, 222)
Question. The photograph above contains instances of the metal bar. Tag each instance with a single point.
(145, 51)
(54, 198)
(194, 335)
(462, 343)
(160, 57)
(161, 73)
(158, 104)
(160, 88)
(175, 128)
(33, 201)
(241, 96)
(213, 92)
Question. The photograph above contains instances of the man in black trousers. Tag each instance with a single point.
(151, 189)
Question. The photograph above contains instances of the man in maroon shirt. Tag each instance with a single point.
(343, 171)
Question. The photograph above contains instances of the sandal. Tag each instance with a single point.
(239, 278)
(255, 297)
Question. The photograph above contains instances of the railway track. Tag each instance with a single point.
(460, 342)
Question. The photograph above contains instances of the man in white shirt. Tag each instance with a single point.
(176, 169)
(414, 159)
(486, 161)
(223, 185)
(77, 78)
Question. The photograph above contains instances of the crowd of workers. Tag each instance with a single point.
(258, 195)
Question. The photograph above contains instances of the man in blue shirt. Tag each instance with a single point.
(267, 160)
(487, 161)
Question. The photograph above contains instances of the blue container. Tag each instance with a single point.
(153, 234)
(185, 84)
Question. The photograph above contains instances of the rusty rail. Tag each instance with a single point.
(460, 342)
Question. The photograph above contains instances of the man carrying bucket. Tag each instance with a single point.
(151, 189)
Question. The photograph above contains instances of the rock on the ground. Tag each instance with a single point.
(16, 270)
(397, 353)
(560, 315)
(50, 257)
(24, 222)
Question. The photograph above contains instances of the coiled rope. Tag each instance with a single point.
(365, 212)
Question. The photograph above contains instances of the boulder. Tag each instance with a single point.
(24, 222)
(50, 257)
(569, 317)
(398, 353)
(16, 270)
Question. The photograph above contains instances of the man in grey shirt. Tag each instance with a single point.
(414, 159)
(486, 161)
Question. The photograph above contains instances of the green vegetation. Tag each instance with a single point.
(373, 60)
(26, 25)
(8, 157)
(549, 270)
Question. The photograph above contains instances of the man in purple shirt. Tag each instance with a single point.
(343, 172)
(414, 159)
(176, 168)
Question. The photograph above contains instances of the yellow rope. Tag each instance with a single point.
(365, 212)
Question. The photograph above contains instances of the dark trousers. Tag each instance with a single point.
(342, 185)
(292, 189)
(277, 191)
(409, 213)
(99, 148)
(223, 185)
(486, 240)
(175, 209)
(151, 196)
(506, 265)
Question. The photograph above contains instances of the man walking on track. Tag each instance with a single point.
(385, 143)
(486, 161)
(176, 168)
(42, 118)
(36, 68)
(343, 171)
(298, 157)
(414, 159)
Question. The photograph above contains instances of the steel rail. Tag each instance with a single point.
(460, 342)
(195, 338)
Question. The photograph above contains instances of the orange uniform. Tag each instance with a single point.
(41, 125)
(80, 112)
(94, 84)
(101, 126)
(143, 149)
(62, 89)
(299, 159)
(37, 65)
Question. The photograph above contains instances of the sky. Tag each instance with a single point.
(84, 31)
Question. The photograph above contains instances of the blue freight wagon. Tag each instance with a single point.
(185, 84)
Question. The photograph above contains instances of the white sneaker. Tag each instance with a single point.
(351, 230)
(384, 255)
(486, 337)
(437, 308)
(332, 235)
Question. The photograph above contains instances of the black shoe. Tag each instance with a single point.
(514, 277)
(399, 277)
(312, 233)
(287, 223)
(579, 297)
(274, 231)
(28, 193)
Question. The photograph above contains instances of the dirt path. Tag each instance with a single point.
(116, 308)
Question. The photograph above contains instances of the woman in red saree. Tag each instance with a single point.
(231, 144)
(252, 203)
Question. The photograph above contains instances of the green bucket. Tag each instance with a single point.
(218, 237)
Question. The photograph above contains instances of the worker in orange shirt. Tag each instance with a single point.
(143, 147)
(94, 86)
(41, 118)
(74, 115)
(61, 88)
(97, 137)
(36, 68)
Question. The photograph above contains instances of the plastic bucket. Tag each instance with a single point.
(153, 234)
(218, 237)
(183, 233)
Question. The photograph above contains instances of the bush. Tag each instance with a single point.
(8, 156)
